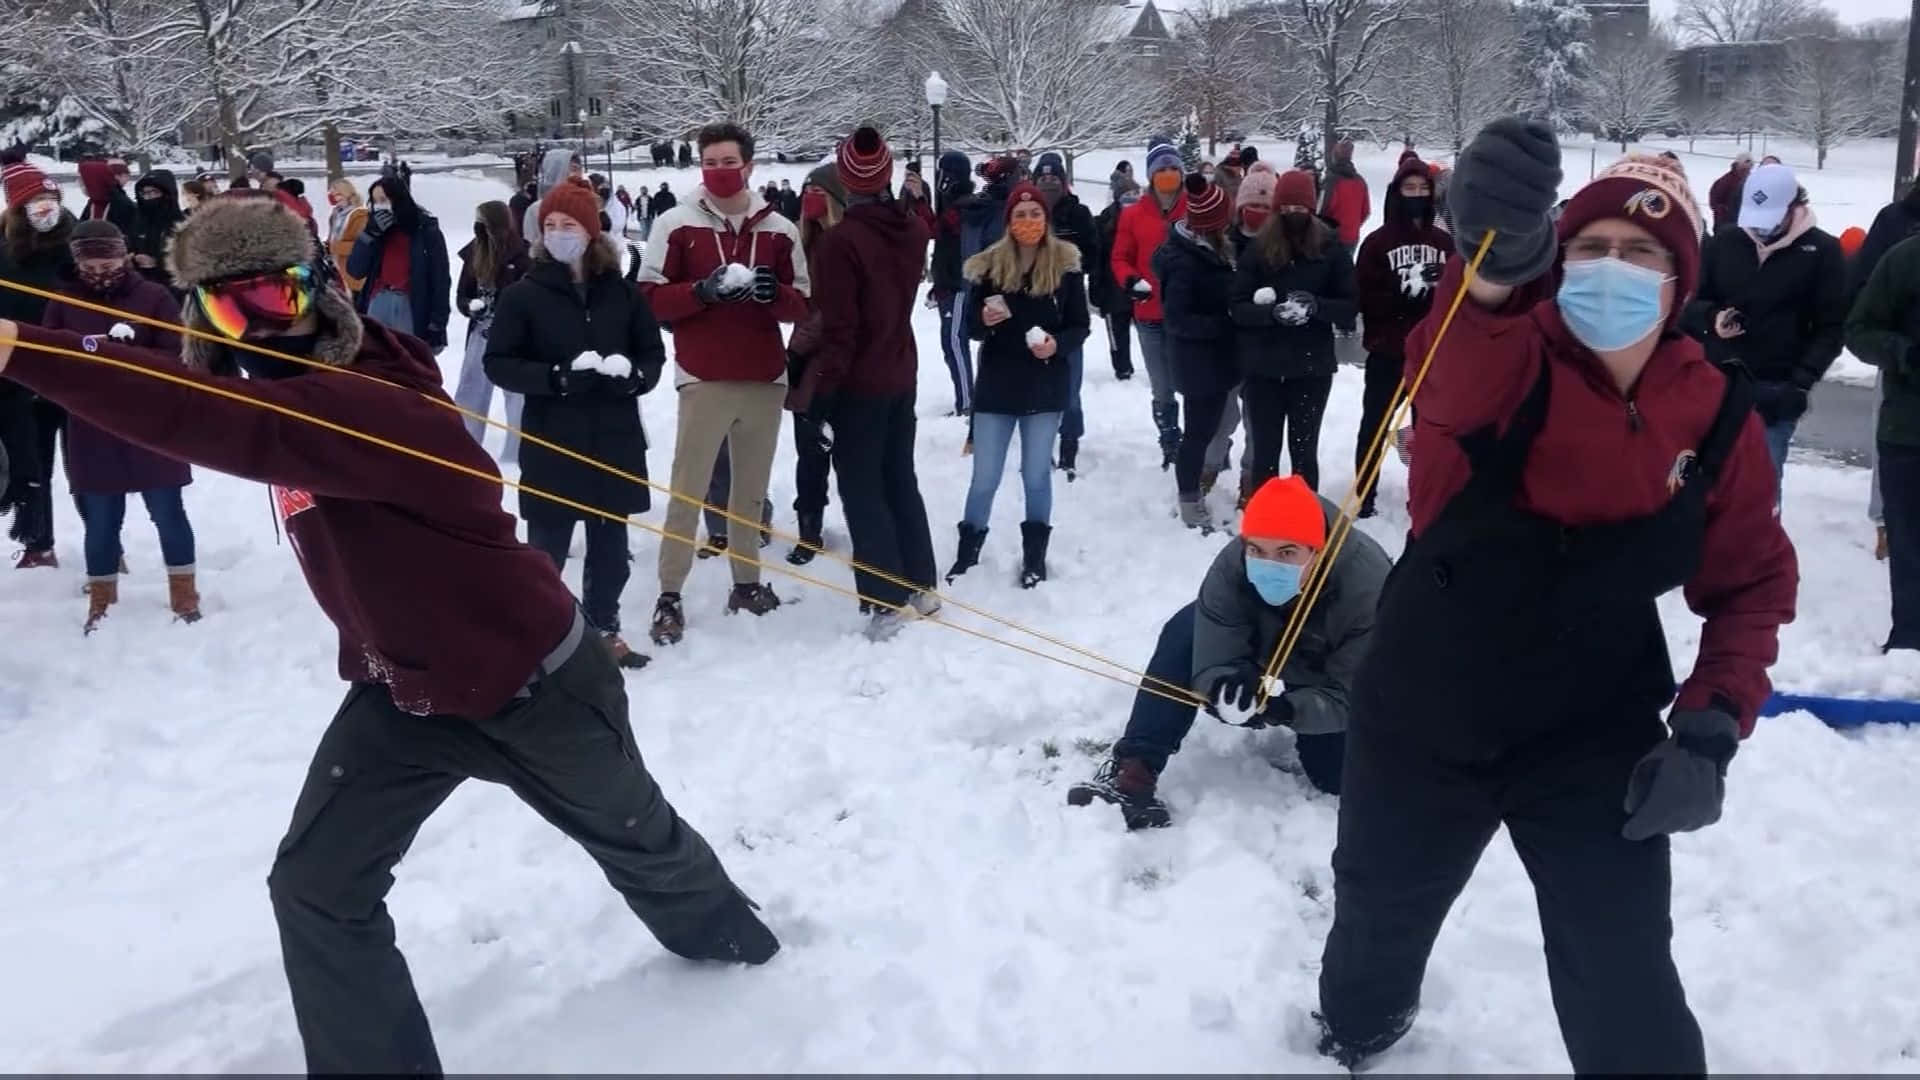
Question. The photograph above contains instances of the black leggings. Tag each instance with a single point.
(1290, 408)
(1202, 422)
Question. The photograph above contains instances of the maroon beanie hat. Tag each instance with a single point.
(1208, 208)
(22, 181)
(864, 163)
(1026, 192)
(1294, 194)
(578, 202)
(1651, 193)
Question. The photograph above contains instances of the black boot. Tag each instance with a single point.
(1166, 417)
(971, 541)
(811, 543)
(1033, 553)
(1127, 783)
(1122, 367)
(1069, 457)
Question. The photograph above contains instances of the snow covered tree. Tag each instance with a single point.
(1190, 141)
(1553, 48)
(1455, 72)
(1214, 65)
(1627, 90)
(1728, 21)
(1308, 149)
(133, 95)
(1819, 97)
(1340, 45)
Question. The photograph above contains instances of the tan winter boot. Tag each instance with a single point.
(182, 596)
(101, 594)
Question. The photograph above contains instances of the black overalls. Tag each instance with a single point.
(1517, 673)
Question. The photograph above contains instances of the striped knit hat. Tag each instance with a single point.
(22, 181)
(864, 163)
(1208, 208)
(1162, 154)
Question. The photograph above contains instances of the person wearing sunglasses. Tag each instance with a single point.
(1576, 457)
(465, 655)
(102, 468)
(401, 258)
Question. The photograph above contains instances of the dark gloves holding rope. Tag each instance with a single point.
(1236, 700)
(1681, 783)
(1506, 183)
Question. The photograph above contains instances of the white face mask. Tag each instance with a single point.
(566, 247)
(43, 215)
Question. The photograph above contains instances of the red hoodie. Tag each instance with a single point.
(416, 565)
(1602, 457)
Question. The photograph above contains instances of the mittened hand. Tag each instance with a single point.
(1140, 287)
(1296, 309)
(716, 289)
(1234, 697)
(1681, 783)
(1506, 183)
(766, 285)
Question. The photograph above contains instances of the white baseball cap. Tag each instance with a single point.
(1768, 195)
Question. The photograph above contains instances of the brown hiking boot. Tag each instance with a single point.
(182, 596)
(623, 654)
(33, 560)
(101, 595)
(1128, 783)
(669, 621)
(1880, 543)
(756, 599)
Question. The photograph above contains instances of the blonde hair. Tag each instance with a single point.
(999, 266)
(344, 188)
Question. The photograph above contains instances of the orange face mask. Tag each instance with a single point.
(1166, 181)
(1027, 233)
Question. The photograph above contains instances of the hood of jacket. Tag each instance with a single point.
(1192, 246)
(160, 180)
(96, 179)
(553, 170)
(1391, 207)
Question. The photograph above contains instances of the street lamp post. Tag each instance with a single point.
(936, 97)
(606, 133)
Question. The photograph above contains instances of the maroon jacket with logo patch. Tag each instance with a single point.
(417, 566)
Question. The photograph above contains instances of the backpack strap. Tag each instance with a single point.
(1736, 402)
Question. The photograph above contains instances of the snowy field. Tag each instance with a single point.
(898, 809)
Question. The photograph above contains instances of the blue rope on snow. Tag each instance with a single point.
(1845, 713)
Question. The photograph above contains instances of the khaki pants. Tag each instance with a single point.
(746, 416)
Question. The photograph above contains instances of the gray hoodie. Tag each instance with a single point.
(1232, 625)
(553, 173)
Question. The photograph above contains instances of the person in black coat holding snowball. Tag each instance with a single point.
(1294, 285)
(581, 343)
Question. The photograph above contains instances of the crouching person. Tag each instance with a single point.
(1220, 646)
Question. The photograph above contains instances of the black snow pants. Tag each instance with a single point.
(565, 748)
(1515, 677)
(880, 493)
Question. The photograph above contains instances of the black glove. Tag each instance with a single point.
(567, 381)
(713, 289)
(1506, 182)
(1680, 784)
(1134, 283)
(766, 286)
(1233, 695)
(375, 227)
(1779, 403)
(1295, 308)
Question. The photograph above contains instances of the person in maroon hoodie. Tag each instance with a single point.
(1393, 275)
(860, 381)
(1575, 457)
(106, 199)
(465, 654)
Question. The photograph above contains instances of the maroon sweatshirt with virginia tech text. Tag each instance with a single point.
(417, 565)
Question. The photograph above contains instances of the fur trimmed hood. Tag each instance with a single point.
(238, 235)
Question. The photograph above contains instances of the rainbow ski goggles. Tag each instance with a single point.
(278, 299)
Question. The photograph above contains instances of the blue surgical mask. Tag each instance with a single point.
(1276, 582)
(1610, 303)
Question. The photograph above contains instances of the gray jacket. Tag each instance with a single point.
(1232, 627)
(553, 173)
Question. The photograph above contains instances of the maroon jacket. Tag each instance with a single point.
(100, 463)
(1723, 198)
(1602, 457)
(416, 565)
(1396, 270)
(867, 273)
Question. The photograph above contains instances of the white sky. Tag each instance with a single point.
(1849, 11)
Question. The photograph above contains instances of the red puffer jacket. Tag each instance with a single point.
(1141, 230)
(1602, 456)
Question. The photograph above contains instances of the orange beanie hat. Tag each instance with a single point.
(1285, 508)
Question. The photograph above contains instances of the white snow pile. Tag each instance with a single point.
(897, 809)
(737, 276)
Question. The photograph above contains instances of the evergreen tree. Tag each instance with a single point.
(1190, 141)
(1553, 55)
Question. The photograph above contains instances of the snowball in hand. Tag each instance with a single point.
(1142, 288)
(1037, 337)
(120, 332)
(587, 361)
(476, 305)
(616, 366)
(738, 277)
(1265, 296)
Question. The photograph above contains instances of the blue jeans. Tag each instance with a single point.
(1073, 422)
(992, 434)
(103, 515)
(1779, 438)
(392, 309)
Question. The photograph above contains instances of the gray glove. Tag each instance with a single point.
(1680, 784)
(1507, 182)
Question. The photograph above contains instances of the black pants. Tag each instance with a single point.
(1900, 500)
(812, 464)
(1412, 827)
(1291, 409)
(880, 495)
(1120, 336)
(1201, 423)
(566, 750)
(1158, 725)
(1384, 372)
(609, 563)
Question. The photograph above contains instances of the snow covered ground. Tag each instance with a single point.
(899, 811)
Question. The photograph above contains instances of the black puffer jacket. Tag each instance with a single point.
(540, 324)
(1195, 281)
(1011, 380)
(153, 223)
(1270, 350)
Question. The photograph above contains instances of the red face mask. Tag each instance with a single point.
(333, 199)
(1254, 216)
(722, 183)
(813, 205)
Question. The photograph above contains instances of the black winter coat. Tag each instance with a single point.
(1010, 379)
(540, 324)
(1195, 282)
(429, 284)
(1073, 222)
(1794, 305)
(154, 223)
(949, 280)
(1269, 350)
(470, 288)
(1895, 222)
(1100, 283)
